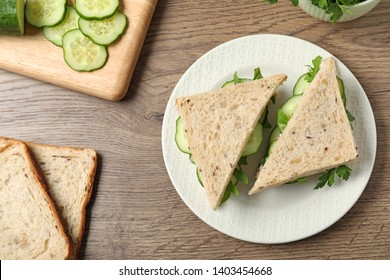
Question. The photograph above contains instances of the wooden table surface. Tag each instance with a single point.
(135, 212)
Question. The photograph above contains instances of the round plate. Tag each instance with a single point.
(286, 213)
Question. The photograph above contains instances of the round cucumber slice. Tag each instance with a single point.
(301, 85)
(96, 9)
(274, 136)
(342, 91)
(106, 31)
(181, 137)
(12, 17)
(81, 53)
(254, 141)
(55, 33)
(41, 13)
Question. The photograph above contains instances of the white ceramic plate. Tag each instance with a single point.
(289, 212)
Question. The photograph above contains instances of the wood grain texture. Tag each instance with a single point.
(135, 212)
(32, 55)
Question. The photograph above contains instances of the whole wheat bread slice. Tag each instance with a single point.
(30, 225)
(318, 137)
(69, 173)
(218, 125)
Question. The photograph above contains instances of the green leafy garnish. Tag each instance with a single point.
(231, 188)
(334, 8)
(343, 172)
(313, 70)
(351, 118)
(327, 177)
(299, 180)
(240, 176)
(257, 74)
(282, 120)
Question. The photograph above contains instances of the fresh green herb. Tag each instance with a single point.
(334, 8)
(313, 70)
(351, 118)
(231, 188)
(299, 180)
(343, 172)
(257, 74)
(282, 120)
(327, 177)
(239, 174)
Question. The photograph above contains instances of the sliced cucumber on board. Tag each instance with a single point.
(254, 142)
(96, 9)
(106, 31)
(12, 17)
(81, 53)
(55, 33)
(41, 13)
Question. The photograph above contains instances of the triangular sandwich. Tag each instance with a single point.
(218, 126)
(318, 137)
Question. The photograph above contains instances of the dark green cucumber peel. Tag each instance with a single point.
(12, 17)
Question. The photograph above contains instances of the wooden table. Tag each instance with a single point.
(135, 212)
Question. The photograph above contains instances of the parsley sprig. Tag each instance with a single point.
(334, 8)
(328, 177)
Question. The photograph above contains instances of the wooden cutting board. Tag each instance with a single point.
(32, 55)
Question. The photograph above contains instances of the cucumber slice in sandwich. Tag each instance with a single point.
(106, 31)
(12, 17)
(41, 13)
(301, 85)
(81, 53)
(96, 9)
(317, 138)
(219, 123)
(55, 33)
(287, 110)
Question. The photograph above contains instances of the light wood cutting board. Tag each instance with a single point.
(32, 55)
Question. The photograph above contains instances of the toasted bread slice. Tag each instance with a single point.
(69, 174)
(218, 126)
(318, 136)
(30, 225)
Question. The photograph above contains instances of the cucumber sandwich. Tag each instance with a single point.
(313, 134)
(218, 127)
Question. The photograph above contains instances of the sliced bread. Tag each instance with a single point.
(318, 137)
(218, 125)
(30, 225)
(69, 174)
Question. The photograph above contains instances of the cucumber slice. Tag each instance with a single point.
(199, 177)
(301, 85)
(264, 115)
(81, 53)
(290, 105)
(55, 33)
(41, 13)
(286, 111)
(254, 141)
(342, 91)
(181, 137)
(96, 9)
(192, 159)
(271, 147)
(12, 17)
(104, 32)
(274, 136)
